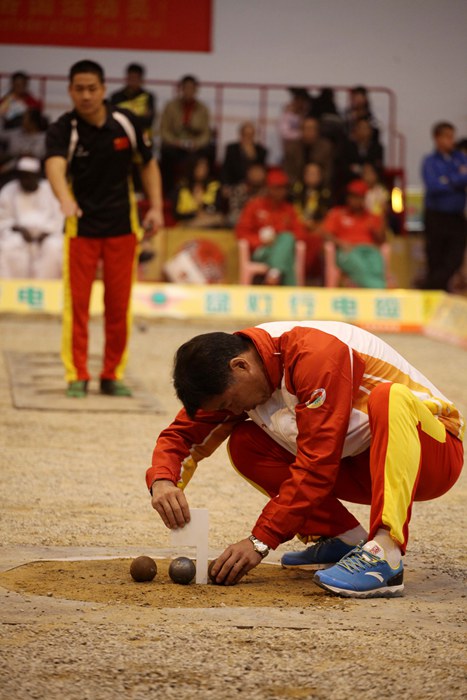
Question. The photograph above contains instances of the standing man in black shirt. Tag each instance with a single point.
(90, 151)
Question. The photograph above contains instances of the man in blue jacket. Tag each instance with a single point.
(445, 177)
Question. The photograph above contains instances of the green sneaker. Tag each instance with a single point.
(77, 389)
(114, 387)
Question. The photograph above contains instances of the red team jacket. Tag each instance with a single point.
(328, 365)
(360, 228)
(263, 211)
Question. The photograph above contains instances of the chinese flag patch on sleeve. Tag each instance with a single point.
(121, 143)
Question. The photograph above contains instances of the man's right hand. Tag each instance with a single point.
(170, 503)
(266, 235)
(70, 207)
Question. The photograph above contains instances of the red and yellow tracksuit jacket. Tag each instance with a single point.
(330, 365)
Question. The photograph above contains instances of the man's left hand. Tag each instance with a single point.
(153, 221)
(235, 562)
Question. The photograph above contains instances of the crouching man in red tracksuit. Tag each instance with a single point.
(316, 412)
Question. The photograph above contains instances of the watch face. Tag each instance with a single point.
(259, 546)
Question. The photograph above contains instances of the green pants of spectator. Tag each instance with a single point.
(280, 254)
(364, 265)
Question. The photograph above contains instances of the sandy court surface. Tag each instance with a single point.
(73, 487)
(109, 581)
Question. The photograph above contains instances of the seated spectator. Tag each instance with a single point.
(198, 201)
(324, 109)
(184, 132)
(357, 235)
(312, 201)
(29, 139)
(239, 195)
(31, 226)
(271, 226)
(312, 147)
(311, 198)
(360, 108)
(362, 148)
(377, 197)
(15, 103)
(291, 122)
(240, 154)
(142, 104)
(136, 99)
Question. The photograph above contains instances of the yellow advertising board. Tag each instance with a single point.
(393, 310)
(41, 296)
(386, 310)
(29, 296)
(449, 321)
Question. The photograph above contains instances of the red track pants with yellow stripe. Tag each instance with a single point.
(82, 256)
(411, 458)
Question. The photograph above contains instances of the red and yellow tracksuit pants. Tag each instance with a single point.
(82, 256)
(411, 458)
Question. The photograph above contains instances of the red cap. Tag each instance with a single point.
(358, 187)
(277, 178)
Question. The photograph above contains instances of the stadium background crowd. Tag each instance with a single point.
(220, 201)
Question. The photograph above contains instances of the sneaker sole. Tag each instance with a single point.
(386, 592)
(308, 567)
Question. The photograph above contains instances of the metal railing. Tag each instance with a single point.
(233, 102)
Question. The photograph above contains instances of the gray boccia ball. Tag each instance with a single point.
(182, 570)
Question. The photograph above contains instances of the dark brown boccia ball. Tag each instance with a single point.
(182, 570)
(211, 577)
(143, 569)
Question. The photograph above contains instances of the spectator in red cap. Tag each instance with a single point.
(276, 177)
(357, 187)
(357, 235)
(271, 226)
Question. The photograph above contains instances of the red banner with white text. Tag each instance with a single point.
(154, 25)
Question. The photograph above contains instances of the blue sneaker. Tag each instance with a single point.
(361, 574)
(325, 552)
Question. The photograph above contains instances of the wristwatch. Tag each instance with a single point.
(259, 546)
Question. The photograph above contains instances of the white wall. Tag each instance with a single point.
(418, 48)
